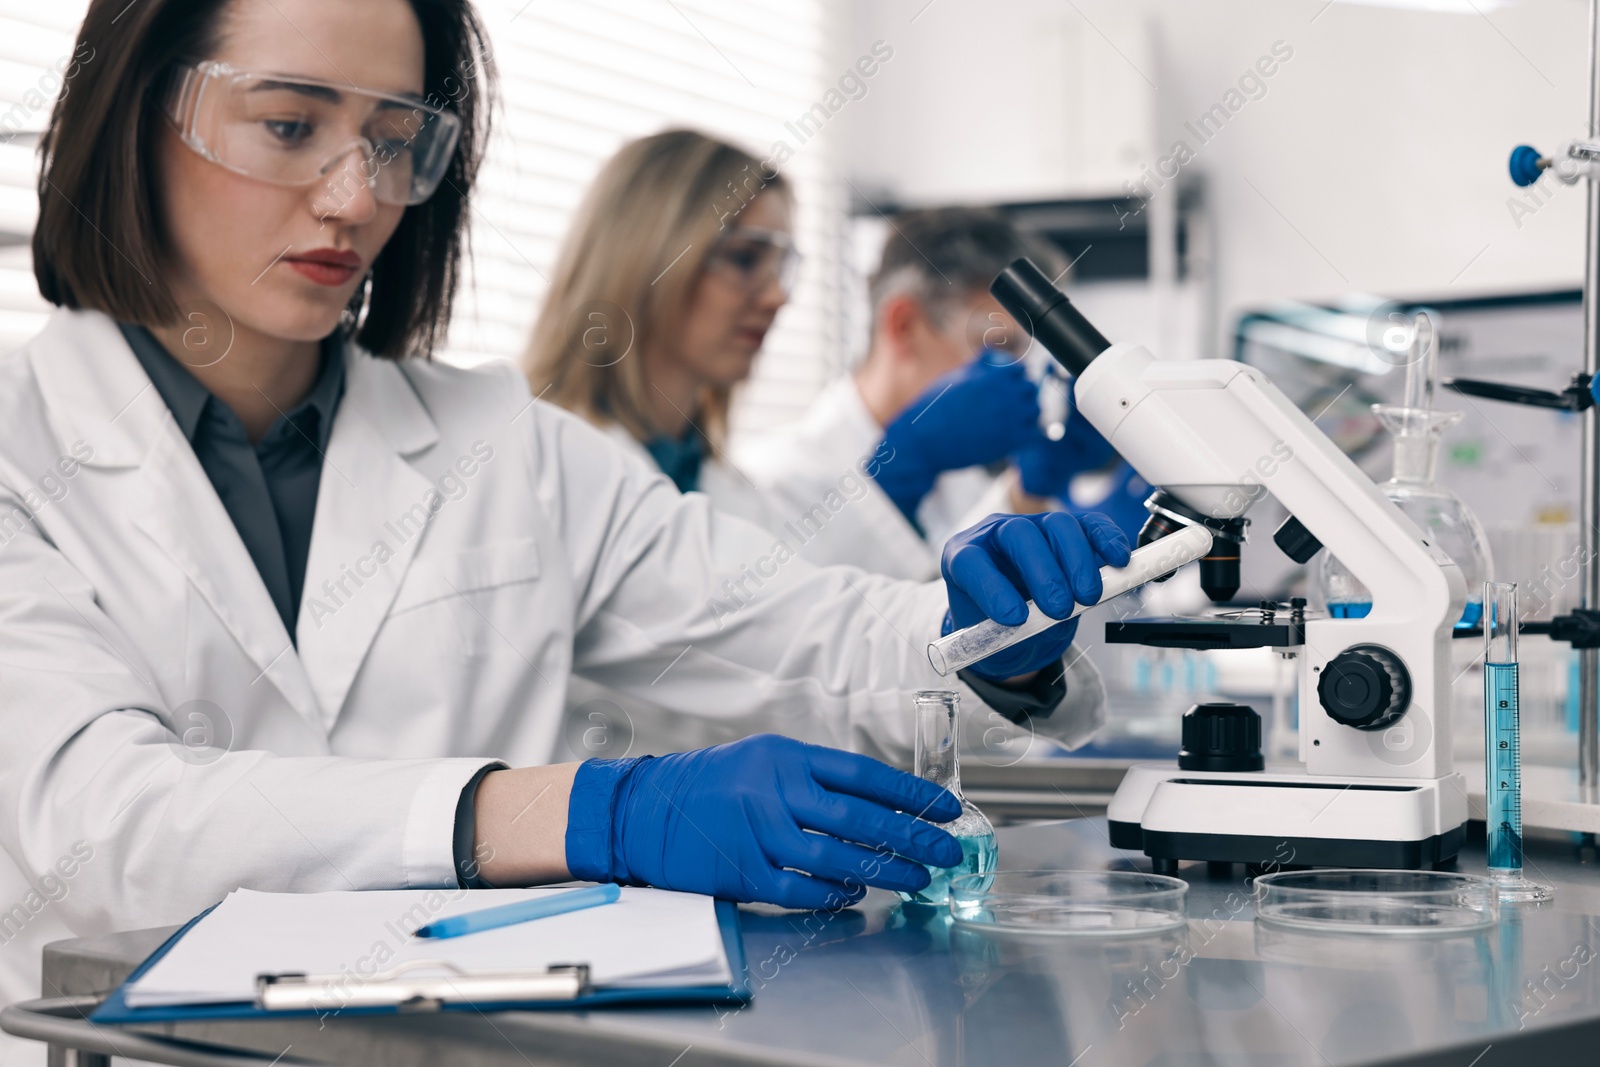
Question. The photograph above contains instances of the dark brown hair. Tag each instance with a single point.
(99, 242)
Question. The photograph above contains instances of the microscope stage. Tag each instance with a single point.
(1206, 632)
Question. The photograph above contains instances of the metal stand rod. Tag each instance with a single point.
(1589, 659)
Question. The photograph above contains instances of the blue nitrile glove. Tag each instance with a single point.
(975, 415)
(728, 820)
(1052, 558)
(1048, 467)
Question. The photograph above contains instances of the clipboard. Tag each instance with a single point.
(560, 989)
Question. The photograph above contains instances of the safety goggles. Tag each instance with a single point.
(753, 258)
(296, 131)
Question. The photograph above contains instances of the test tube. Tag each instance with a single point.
(965, 647)
(1502, 730)
(1054, 407)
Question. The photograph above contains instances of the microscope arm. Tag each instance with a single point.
(1219, 436)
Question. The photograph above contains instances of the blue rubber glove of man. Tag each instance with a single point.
(974, 415)
(731, 821)
(1047, 467)
(1123, 502)
(1052, 558)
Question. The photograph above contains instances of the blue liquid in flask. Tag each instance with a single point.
(1502, 725)
(979, 855)
(937, 761)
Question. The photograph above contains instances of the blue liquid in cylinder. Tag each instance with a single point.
(979, 854)
(1501, 712)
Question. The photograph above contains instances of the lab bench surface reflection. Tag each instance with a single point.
(880, 985)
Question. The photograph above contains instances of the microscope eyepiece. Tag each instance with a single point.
(1048, 316)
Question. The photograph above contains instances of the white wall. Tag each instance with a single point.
(1375, 161)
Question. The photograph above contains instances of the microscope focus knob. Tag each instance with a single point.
(1365, 686)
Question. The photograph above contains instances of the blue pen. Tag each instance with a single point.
(522, 911)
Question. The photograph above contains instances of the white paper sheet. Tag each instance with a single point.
(648, 938)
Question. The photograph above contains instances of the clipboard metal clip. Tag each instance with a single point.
(419, 992)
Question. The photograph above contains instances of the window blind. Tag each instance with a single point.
(578, 78)
(35, 53)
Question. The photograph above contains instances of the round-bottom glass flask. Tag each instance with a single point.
(1442, 515)
(937, 712)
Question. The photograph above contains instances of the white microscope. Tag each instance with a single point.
(1376, 788)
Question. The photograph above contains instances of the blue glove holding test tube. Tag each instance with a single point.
(1052, 558)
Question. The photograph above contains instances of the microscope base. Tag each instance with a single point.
(1288, 818)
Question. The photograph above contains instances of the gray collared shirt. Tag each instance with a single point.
(269, 489)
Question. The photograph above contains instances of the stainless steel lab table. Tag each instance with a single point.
(875, 985)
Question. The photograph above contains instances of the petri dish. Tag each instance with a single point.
(1069, 903)
(1377, 901)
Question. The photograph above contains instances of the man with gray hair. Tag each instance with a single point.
(940, 402)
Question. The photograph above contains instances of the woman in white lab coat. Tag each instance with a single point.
(278, 606)
(672, 272)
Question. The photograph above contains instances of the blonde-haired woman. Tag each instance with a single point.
(676, 265)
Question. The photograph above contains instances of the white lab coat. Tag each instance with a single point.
(472, 551)
(813, 478)
(729, 489)
(849, 520)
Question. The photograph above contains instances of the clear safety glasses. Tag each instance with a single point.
(295, 131)
(753, 258)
